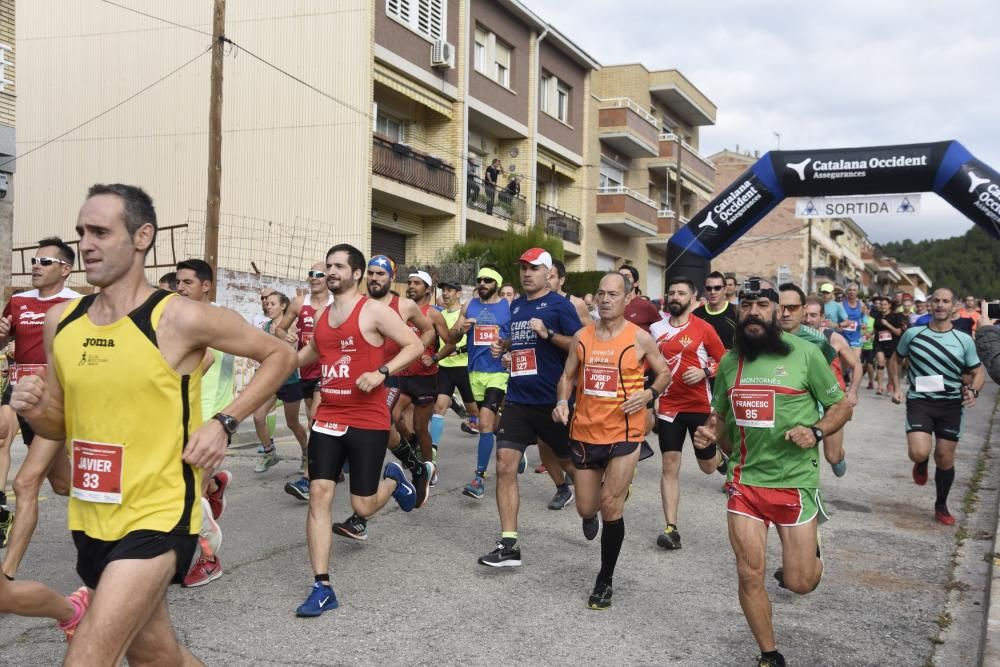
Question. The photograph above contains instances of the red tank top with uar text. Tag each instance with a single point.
(344, 356)
(417, 367)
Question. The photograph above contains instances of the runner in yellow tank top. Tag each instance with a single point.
(122, 390)
(609, 424)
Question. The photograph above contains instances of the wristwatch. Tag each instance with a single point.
(550, 333)
(817, 433)
(229, 424)
(652, 390)
(384, 370)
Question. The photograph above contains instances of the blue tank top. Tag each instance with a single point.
(854, 315)
(536, 364)
(492, 323)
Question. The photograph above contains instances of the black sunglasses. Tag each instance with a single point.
(47, 261)
(485, 280)
(317, 274)
(713, 288)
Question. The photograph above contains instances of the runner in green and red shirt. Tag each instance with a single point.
(765, 405)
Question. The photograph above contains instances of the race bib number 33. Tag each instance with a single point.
(97, 472)
(753, 407)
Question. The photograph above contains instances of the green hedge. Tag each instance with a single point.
(579, 283)
(505, 251)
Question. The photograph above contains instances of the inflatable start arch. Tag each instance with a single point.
(946, 167)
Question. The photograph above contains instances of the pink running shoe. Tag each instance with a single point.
(80, 600)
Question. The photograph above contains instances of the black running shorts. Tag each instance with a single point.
(672, 434)
(422, 389)
(27, 433)
(586, 456)
(364, 449)
(943, 418)
(308, 387)
(522, 425)
(289, 393)
(93, 555)
(450, 378)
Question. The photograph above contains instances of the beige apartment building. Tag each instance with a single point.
(8, 137)
(417, 98)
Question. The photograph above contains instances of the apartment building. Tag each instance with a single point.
(649, 174)
(8, 97)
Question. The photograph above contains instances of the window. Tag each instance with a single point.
(425, 17)
(553, 97)
(491, 57)
(610, 176)
(390, 127)
(4, 61)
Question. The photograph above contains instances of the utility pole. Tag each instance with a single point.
(215, 144)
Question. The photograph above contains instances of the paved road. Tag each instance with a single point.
(897, 589)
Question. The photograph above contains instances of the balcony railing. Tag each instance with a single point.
(496, 200)
(401, 163)
(627, 128)
(629, 103)
(616, 205)
(668, 222)
(692, 160)
(558, 223)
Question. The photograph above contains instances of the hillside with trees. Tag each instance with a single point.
(969, 264)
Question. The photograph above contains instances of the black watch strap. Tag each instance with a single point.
(229, 424)
(817, 433)
(384, 370)
(655, 393)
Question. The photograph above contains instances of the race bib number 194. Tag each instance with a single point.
(97, 472)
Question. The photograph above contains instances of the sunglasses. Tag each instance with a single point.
(47, 261)
(317, 274)
(488, 281)
(714, 288)
(792, 308)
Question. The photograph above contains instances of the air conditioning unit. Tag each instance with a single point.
(442, 55)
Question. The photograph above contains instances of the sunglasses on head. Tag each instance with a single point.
(713, 288)
(47, 261)
(317, 274)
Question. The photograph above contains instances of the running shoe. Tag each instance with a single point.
(476, 488)
(600, 599)
(206, 570)
(723, 467)
(6, 521)
(942, 514)
(80, 600)
(523, 463)
(267, 460)
(541, 469)
(920, 473)
(670, 538)
(840, 469)
(769, 661)
(422, 481)
(299, 488)
(507, 554)
(354, 527)
(458, 408)
(261, 448)
(404, 494)
(871, 385)
(217, 499)
(591, 527)
(321, 598)
(470, 427)
(210, 530)
(564, 496)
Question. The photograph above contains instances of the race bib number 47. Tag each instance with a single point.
(600, 381)
(97, 472)
(753, 407)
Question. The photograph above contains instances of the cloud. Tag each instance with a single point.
(846, 73)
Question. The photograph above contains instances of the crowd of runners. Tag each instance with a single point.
(760, 377)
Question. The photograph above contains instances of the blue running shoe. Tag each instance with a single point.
(839, 469)
(523, 463)
(405, 493)
(299, 488)
(321, 598)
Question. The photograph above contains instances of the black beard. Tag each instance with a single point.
(377, 292)
(769, 343)
(489, 293)
(676, 308)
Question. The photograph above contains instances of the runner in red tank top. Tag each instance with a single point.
(22, 320)
(692, 349)
(352, 421)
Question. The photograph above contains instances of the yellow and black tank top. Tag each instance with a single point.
(128, 418)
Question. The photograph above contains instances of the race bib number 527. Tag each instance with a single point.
(97, 472)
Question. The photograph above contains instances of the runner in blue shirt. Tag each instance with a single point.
(541, 332)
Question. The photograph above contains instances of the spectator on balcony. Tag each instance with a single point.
(492, 175)
(472, 181)
(512, 190)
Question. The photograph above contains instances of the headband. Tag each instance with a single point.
(490, 273)
(383, 262)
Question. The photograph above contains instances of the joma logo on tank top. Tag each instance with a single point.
(99, 342)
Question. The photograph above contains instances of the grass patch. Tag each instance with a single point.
(944, 620)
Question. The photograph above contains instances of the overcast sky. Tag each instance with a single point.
(822, 74)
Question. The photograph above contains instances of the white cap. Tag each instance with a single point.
(423, 275)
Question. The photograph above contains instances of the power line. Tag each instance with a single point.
(156, 18)
(105, 112)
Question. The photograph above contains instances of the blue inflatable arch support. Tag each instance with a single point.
(946, 167)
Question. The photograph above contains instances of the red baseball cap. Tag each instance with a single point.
(536, 256)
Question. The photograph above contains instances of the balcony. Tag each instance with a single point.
(401, 163)
(668, 222)
(558, 223)
(496, 201)
(626, 212)
(628, 128)
(693, 164)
